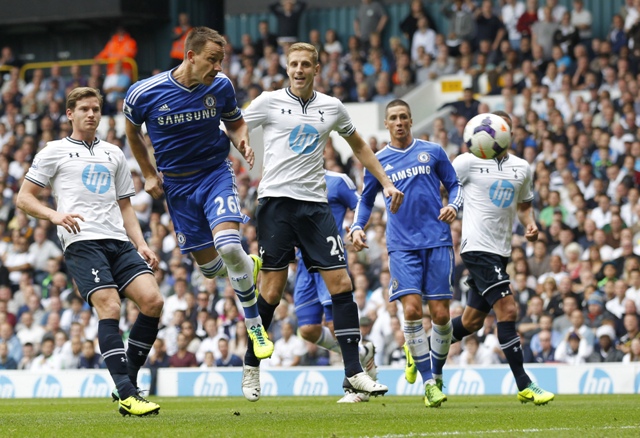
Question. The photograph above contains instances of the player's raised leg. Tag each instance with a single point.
(242, 270)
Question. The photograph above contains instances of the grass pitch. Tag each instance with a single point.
(394, 416)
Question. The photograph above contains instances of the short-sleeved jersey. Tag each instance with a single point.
(417, 171)
(492, 191)
(295, 134)
(183, 123)
(88, 179)
(342, 196)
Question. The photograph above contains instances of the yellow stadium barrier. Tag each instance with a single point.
(81, 62)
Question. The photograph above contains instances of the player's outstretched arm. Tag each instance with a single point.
(28, 202)
(525, 215)
(238, 133)
(132, 227)
(152, 180)
(359, 239)
(363, 152)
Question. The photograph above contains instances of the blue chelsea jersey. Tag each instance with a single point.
(184, 123)
(341, 195)
(417, 171)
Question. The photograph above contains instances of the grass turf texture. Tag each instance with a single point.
(568, 415)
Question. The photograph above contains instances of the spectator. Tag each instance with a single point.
(543, 31)
(227, 359)
(209, 361)
(634, 352)
(474, 355)
(556, 11)
(606, 351)
(12, 342)
(370, 18)
(289, 349)
(467, 107)
(617, 36)
(546, 353)
(264, 39)
(511, 12)
(488, 26)
(423, 37)
(581, 19)
(182, 357)
(176, 55)
(158, 358)
(461, 23)
(115, 87)
(6, 361)
(632, 331)
(47, 360)
(41, 250)
(526, 21)
(288, 14)
(571, 350)
(29, 331)
(120, 46)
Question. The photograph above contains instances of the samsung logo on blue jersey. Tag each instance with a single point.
(411, 171)
(190, 116)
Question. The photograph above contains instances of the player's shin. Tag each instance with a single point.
(240, 269)
(512, 349)
(141, 338)
(112, 349)
(347, 329)
(440, 342)
(418, 343)
(458, 330)
(266, 312)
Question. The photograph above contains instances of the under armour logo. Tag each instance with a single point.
(341, 258)
(71, 155)
(515, 349)
(95, 272)
(108, 155)
(123, 359)
(504, 293)
(321, 115)
(515, 173)
(285, 111)
(484, 169)
(495, 268)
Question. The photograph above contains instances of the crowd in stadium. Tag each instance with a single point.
(576, 123)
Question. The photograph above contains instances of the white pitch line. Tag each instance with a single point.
(497, 431)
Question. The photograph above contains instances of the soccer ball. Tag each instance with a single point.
(487, 135)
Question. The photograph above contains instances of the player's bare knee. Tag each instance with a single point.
(505, 311)
(412, 312)
(152, 305)
(310, 332)
(107, 308)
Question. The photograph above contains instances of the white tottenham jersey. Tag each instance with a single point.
(295, 134)
(492, 191)
(87, 179)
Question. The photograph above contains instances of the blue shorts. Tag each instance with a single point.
(428, 272)
(311, 297)
(199, 202)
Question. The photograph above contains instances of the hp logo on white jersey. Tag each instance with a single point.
(303, 140)
(96, 178)
(502, 193)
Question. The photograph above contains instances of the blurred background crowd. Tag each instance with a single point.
(575, 103)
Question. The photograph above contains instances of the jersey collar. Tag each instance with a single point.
(89, 146)
(302, 103)
(402, 150)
